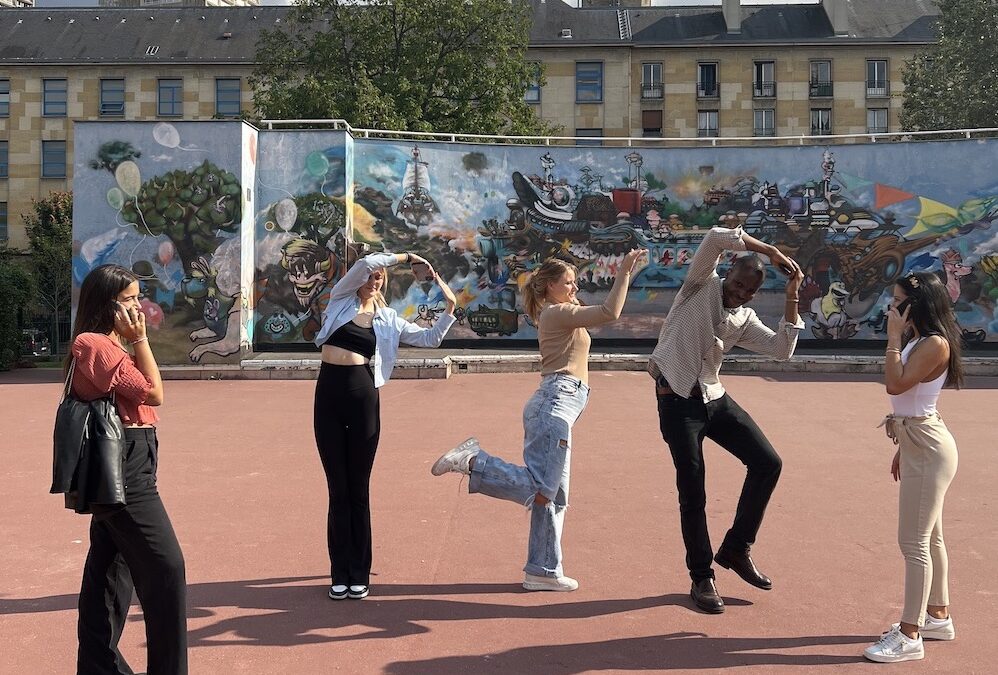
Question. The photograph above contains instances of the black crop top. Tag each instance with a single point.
(354, 338)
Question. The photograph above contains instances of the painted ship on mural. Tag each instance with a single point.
(416, 207)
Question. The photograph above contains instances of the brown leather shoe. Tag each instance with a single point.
(704, 594)
(742, 565)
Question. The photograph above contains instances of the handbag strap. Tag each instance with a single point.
(68, 387)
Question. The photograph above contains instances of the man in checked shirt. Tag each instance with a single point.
(708, 318)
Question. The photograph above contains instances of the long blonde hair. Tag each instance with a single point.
(535, 286)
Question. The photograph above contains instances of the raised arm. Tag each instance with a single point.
(717, 241)
(565, 315)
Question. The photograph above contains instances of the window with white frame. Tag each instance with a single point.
(876, 120)
(764, 122)
(876, 78)
(707, 123)
(821, 121)
(764, 79)
(651, 80)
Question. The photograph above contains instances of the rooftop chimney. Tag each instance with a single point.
(732, 15)
(838, 15)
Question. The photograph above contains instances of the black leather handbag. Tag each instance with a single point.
(88, 451)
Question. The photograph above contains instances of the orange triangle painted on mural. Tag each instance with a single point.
(887, 195)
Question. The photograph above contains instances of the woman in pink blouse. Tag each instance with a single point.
(132, 547)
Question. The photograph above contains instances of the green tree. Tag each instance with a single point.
(16, 291)
(49, 226)
(189, 207)
(952, 84)
(413, 65)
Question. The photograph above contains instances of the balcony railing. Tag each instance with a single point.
(877, 88)
(653, 90)
(822, 130)
(821, 89)
(706, 133)
(876, 130)
(764, 131)
(708, 90)
(764, 89)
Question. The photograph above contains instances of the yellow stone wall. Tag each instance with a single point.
(26, 128)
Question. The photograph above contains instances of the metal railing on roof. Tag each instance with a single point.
(628, 141)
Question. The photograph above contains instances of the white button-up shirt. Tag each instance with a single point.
(699, 330)
(389, 328)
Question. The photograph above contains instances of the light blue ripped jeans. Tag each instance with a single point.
(547, 451)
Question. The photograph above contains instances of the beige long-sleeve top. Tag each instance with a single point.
(561, 332)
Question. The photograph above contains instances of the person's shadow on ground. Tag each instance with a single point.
(296, 611)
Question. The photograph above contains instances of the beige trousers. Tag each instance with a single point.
(928, 464)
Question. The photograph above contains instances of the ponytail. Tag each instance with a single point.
(534, 287)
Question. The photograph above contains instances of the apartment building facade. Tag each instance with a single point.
(724, 71)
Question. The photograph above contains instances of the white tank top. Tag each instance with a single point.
(920, 400)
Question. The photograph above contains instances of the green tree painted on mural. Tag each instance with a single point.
(113, 153)
(952, 84)
(189, 207)
(49, 226)
(414, 65)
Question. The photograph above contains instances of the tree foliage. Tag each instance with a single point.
(413, 65)
(49, 226)
(16, 289)
(952, 84)
(189, 207)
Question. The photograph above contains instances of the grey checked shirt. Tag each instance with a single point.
(699, 330)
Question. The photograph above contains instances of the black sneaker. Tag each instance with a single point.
(338, 592)
(358, 591)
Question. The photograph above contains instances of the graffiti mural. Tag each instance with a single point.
(301, 232)
(855, 217)
(238, 235)
(165, 200)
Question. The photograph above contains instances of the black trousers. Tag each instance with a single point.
(685, 422)
(347, 423)
(134, 548)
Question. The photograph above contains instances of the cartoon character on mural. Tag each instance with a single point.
(216, 285)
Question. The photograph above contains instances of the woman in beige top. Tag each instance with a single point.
(542, 485)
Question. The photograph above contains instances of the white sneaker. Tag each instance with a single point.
(358, 592)
(457, 459)
(532, 582)
(337, 592)
(894, 646)
(936, 629)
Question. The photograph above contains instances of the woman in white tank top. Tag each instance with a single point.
(923, 354)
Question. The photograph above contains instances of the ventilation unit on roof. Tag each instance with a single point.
(226, 35)
(566, 32)
(151, 50)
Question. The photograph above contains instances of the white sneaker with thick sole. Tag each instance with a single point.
(338, 592)
(358, 592)
(894, 646)
(532, 582)
(935, 629)
(457, 459)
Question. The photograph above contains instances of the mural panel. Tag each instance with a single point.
(238, 235)
(301, 230)
(165, 200)
(855, 217)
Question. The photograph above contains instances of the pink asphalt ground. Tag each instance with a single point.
(242, 481)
